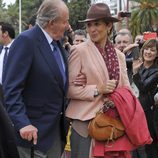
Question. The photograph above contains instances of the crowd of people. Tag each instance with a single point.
(54, 80)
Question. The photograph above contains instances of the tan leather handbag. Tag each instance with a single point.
(105, 128)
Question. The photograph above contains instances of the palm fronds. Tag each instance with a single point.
(144, 16)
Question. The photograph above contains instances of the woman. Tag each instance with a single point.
(146, 80)
(105, 69)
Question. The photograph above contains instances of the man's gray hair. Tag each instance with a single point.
(49, 10)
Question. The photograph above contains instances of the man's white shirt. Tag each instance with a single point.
(1, 59)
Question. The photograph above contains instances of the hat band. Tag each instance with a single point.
(97, 16)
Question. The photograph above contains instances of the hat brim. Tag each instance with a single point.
(109, 19)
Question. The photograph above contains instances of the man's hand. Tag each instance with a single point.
(80, 80)
(119, 16)
(129, 47)
(29, 133)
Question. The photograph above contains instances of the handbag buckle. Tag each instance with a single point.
(109, 143)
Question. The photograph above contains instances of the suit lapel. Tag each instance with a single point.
(98, 62)
(65, 62)
(46, 52)
(1, 47)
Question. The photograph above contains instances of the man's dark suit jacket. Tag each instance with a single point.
(33, 87)
(7, 134)
(1, 47)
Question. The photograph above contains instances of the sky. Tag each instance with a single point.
(9, 1)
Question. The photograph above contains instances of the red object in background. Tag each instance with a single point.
(149, 35)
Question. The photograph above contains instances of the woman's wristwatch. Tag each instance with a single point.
(96, 92)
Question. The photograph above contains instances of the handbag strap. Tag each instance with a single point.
(107, 105)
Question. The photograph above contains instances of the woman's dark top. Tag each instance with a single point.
(146, 81)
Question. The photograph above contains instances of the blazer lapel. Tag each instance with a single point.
(98, 62)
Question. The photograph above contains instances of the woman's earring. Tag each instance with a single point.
(108, 32)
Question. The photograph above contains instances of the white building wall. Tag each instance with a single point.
(115, 5)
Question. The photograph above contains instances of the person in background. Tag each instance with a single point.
(124, 42)
(146, 79)
(8, 147)
(70, 34)
(66, 44)
(79, 36)
(67, 39)
(105, 70)
(123, 19)
(139, 39)
(35, 83)
(7, 35)
(32, 22)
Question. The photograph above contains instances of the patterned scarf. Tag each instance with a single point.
(111, 60)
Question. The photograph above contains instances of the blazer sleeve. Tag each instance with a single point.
(75, 67)
(124, 81)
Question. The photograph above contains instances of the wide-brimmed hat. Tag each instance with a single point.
(99, 11)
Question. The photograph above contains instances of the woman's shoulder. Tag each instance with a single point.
(153, 70)
(82, 48)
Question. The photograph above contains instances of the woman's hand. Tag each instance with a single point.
(109, 87)
(136, 65)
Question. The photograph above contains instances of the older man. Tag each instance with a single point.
(124, 42)
(79, 36)
(35, 83)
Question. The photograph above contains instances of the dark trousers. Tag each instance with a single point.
(80, 146)
(139, 153)
(152, 150)
(54, 152)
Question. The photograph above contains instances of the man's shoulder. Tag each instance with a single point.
(30, 34)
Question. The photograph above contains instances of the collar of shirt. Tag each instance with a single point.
(8, 45)
(49, 39)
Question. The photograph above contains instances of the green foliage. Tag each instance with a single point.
(78, 10)
(144, 16)
(11, 13)
(3, 11)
